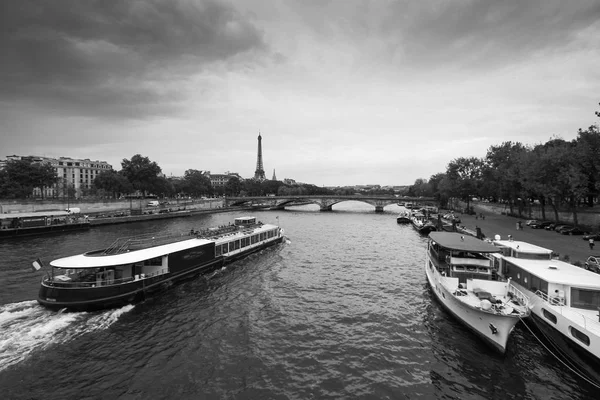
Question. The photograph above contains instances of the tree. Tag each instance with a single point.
(196, 183)
(20, 177)
(233, 186)
(588, 160)
(141, 172)
(502, 171)
(465, 176)
(112, 182)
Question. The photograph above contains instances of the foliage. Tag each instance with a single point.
(112, 182)
(233, 186)
(20, 177)
(195, 183)
(141, 172)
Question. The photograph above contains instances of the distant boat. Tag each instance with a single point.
(420, 222)
(403, 218)
(462, 279)
(41, 222)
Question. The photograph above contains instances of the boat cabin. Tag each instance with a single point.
(462, 256)
(559, 282)
(242, 221)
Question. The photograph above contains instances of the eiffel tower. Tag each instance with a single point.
(259, 174)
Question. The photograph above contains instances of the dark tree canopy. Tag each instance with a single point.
(141, 172)
(196, 183)
(20, 177)
(112, 182)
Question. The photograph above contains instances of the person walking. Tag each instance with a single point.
(591, 243)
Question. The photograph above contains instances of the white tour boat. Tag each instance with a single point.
(131, 268)
(564, 303)
(461, 275)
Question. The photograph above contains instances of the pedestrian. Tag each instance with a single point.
(591, 243)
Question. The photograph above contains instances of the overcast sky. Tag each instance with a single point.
(343, 92)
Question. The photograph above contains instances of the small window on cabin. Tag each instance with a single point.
(153, 261)
(236, 244)
(518, 275)
(225, 248)
(231, 246)
(525, 279)
(582, 337)
(549, 316)
(217, 251)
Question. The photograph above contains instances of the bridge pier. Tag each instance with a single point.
(325, 208)
(378, 209)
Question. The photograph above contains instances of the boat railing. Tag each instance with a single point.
(559, 305)
(521, 297)
(125, 244)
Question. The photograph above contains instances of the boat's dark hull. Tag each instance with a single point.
(575, 357)
(403, 220)
(91, 299)
(41, 230)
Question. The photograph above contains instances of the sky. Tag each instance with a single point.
(342, 92)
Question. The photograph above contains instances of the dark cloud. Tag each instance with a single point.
(487, 32)
(107, 55)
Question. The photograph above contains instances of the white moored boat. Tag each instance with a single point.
(564, 302)
(461, 276)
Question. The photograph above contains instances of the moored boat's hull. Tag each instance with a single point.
(493, 329)
(42, 230)
(583, 358)
(403, 220)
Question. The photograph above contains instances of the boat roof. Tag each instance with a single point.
(56, 213)
(88, 260)
(559, 272)
(523, 247)
(457, 241)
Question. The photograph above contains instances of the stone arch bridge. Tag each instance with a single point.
(325, 203)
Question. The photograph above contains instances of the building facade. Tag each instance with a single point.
(75, 176)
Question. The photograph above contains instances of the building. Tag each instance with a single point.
(220, 180)
(75, 176)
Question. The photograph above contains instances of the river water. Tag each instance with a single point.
(342, 311)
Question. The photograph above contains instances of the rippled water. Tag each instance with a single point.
(343, 311)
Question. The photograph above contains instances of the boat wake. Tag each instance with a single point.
(26, 327)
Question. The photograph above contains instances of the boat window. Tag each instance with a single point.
(459, 268)
(254, 239)
(262, 236)
(217, 251)
(549, 316)
(153, 261)
(582, 337)
(225, 248)
(231, 246)
(236, 244)
(585, 298)
(532, 256)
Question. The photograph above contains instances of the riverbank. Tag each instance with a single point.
(572, 249)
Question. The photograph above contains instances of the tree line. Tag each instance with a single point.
(141, 176)
(556, 174)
